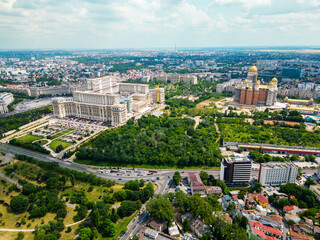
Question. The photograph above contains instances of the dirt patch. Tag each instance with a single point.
(286, 122)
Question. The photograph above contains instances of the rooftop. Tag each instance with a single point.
(196, 181)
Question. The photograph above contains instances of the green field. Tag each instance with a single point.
(54, 144)
(42, 142)
(29, 138)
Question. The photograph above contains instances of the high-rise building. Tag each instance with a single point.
(252, 92)
(277, 173)
(236, 171)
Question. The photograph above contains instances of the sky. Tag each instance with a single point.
(107, 24)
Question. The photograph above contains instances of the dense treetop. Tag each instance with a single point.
(160, 141)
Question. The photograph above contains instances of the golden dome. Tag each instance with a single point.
(286, 98)
(258, 82)
(253, 69)
(245, 81)
(288, 105)
(249, 87)
(316, 107)
(274, 80)
(311, 100)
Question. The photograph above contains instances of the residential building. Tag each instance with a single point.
(262, 200)
(157, 225)
(292, 209)
(177, 78)
(173, 230)
(213, 190)
(270, 231)
(292, 216)
(252, 92)
(300, 236)
(277, 173)
(196, 183)
(196, 225)
(236, 171)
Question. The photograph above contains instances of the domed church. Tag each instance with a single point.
(252, 92)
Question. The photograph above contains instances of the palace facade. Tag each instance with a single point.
(107, 100)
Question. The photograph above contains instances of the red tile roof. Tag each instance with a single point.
(289, 208)
(265, 228)
(234, 197)
(262, 199)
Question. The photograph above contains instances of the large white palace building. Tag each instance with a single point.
(107, 100)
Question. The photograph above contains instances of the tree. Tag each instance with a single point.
(258, 187)
(141, 182)
(19, 204)
(108, 228)
(186, 225)
(59, 148)
(204, 177)
(291, 223)
(176, 178)
(20, 236)
(161, 208)
(85, 234)
(29, 188)
(310, 182)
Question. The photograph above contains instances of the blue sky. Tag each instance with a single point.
(157, 23)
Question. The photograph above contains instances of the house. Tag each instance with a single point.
(296, 229)
(272, 220)
(196, 183)
(270, 231)
(225, 200)
(150, 234)
(213, 190)
(157, 225)
(241, 203)
(305, 227)
(262, 200)
(292, 209)
(173, 230)
(300, 236)
(250, 203)
(292, 216)
(196, 225)
(316, 230)
(308, 221)
(262, 210)
(226, 218)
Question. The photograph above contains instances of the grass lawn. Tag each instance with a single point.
(54, 144)
(122, 225)
(59, 134)
(13, 235)
(96, 192)
(29, 138)
(26, 171)
(42, 142)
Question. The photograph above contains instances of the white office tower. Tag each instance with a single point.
(277, 173)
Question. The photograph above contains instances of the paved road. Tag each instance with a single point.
(10, 180)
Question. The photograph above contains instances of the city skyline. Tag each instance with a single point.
(92, 24)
